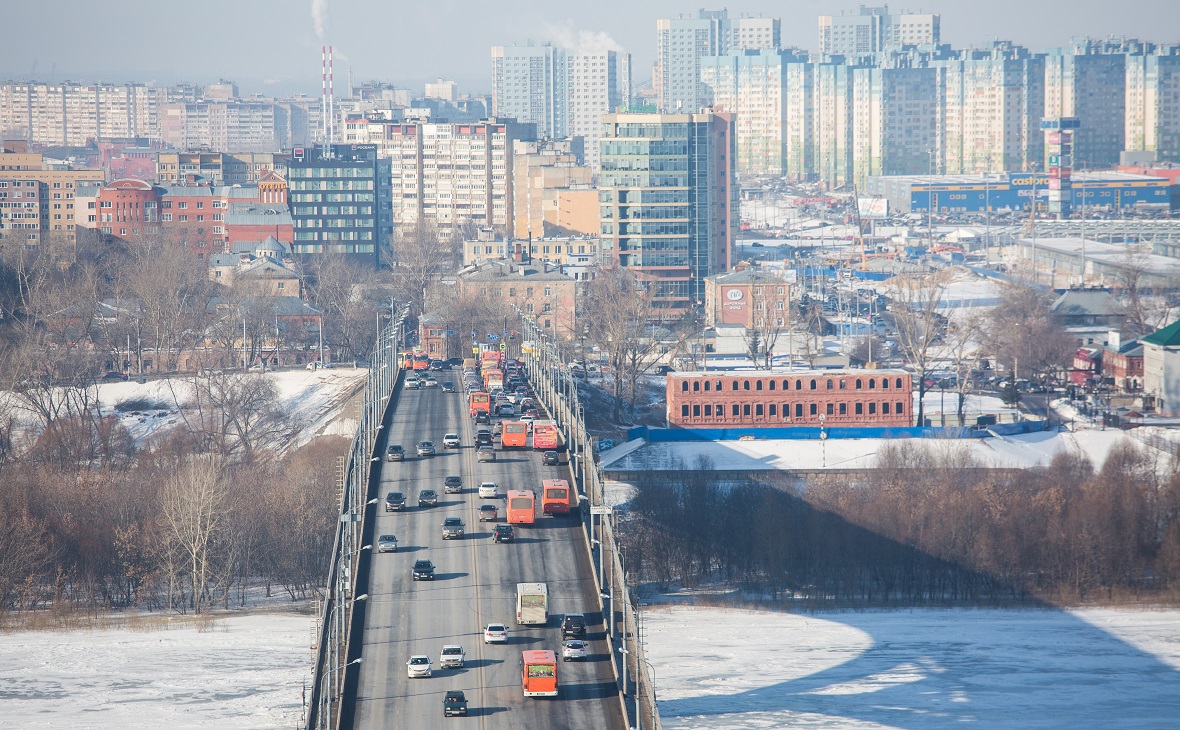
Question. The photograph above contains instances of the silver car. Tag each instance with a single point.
(418, 666)
(425, 448)
(387, 544)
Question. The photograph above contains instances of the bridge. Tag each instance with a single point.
(375, 616)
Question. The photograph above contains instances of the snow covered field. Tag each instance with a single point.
(243, 672)
(738, 670)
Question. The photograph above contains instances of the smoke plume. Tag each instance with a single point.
(319, 16)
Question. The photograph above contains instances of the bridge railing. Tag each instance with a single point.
(558, 391)
(341, 620)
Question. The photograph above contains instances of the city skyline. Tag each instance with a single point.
(284, 57)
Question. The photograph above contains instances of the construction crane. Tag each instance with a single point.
(860, 231)
(1032, 209)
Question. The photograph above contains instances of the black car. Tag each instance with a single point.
(573, 626)
(483, 417)
(483, 437)
(503, 533)
(453, 484)
(427, 498)
(114, 375)
(549, 458)
(448, 386)
(454, 703)
(395, 502)
(423, 570)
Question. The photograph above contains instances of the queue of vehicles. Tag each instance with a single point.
(539, 674)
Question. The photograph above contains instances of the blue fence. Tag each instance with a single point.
(812, 433)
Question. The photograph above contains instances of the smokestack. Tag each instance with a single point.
(331, 101)
(324, 94)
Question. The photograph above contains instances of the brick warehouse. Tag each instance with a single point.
(848, 398)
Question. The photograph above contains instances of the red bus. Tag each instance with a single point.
(515, 435)
(556, 497)
(538, 673)
(546, 436)
(479, 403)
(522, 507)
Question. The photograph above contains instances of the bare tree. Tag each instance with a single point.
(194, 505)
(232, 413)
(767, 323)
(172, 289)
(1146, 312)
(338, 288)
(1023, 334)
(619, 311)
(920, 328)
(421, 256)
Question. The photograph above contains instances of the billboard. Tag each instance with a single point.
(873, 207)
(734, 305)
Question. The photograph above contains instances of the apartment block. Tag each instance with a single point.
(874, 29)
(681, 43)
(752, 85)
(668, 196)
(991, 106)
(55, 192)
(447, 175)
(541, 170)
(598, 83)
(754, 34)
(1153, 102)
(1087, 80)
(529, 85)
(75, 114)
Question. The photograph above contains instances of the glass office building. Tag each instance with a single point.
(667, 195)
(340, 201)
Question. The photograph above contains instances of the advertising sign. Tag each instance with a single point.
(873, 207)
(733, 305)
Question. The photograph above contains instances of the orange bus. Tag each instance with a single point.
(489, 359)
(556, 497)
(538, 673)
(522, 507)
(515, 435)
(421, 362)
(479, 403)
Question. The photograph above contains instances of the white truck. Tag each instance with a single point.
(532, 603)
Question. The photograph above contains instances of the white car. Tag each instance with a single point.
(451, 441)
(574, 649)
(488, 490)
(527, 420)
(452, 657)
(495, 634)
(418, 666)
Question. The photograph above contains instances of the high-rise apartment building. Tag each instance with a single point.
(598, 83)
(529, 85)
(752, 85)
(339, 200)
(681, 43)
(74, 114)
(448, 175)
(1087, 80)
(754, 34)
(992, 102)
(668, 196)
(874, 29)
(1153, 102)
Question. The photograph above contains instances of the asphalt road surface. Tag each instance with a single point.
(475, 584)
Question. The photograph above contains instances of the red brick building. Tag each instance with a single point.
(1124, 363)
(765, 398)
(128, 208)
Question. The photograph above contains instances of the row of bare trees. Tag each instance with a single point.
(171, 527)
(927, 525)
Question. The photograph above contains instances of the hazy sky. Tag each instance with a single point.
(272, 46)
